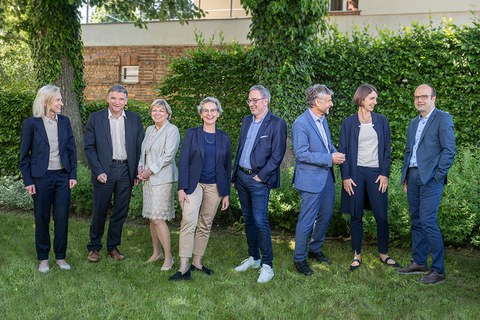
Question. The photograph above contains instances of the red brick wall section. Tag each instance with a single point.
(102, 69)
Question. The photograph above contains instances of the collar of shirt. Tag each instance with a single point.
(426, 117)
(49, 119)
(261, 119)
(110, 115)
(315, 117)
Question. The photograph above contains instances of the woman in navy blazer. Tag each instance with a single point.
(203, 181)
(366, 142)
(48, 163)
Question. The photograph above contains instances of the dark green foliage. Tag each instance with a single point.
(15, 106)
(221, 72)
(446, 57)
(284, 34)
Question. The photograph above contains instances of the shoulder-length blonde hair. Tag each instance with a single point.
(44, 95)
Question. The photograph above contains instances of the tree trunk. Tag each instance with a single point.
(71, 107)
(55, 39)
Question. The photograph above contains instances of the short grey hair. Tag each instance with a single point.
(44, 96)
(317, 91)
(118, 88)
(263, 91)
(210, 99)
(161, 103)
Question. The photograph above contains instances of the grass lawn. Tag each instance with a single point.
(133, 290)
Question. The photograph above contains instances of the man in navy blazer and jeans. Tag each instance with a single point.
(315, 156)
(112, 144)
(260, 152)
(429, 154)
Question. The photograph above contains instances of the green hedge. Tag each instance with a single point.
(459, 213)
(222, 72)
(15, 106)
(446, 57)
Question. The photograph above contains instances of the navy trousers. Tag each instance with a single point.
(52, 197)
(119, 185)
(367, 188)
(424, 200)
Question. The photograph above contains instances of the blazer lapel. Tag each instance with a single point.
(428, 124)
(312, 124)
(200, 143)
(106, 128)
(327, 132)
(61, 131)
(41, 129)
(262, 129)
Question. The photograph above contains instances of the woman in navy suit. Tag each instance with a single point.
(203, 182)
(48, 162)
(366, 141)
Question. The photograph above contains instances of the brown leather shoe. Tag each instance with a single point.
(116, 255)
(93, 256)
(413, 268)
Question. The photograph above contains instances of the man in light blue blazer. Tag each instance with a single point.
(429, 154)
(313, 178)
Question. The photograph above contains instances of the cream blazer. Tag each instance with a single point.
(161, 154)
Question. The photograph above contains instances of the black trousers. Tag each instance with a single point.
(52, 197)
(119, 186)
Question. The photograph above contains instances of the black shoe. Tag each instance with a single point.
(319, 256)
(353, 268)
(302, 267)
(179, 276)
(432, 278)
(203, 269)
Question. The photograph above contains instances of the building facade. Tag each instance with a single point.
(139, 58)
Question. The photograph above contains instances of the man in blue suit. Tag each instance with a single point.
(313, 178)
(112, 144)
(260, 152)
(429, 154)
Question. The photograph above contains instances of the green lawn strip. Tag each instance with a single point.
(132, 289)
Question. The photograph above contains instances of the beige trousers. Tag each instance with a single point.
(197, 219)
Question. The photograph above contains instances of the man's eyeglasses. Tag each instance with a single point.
(207, 111)
(253, 100)
(423, 97)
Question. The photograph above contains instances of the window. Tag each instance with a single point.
(129, 74)
(343, 5)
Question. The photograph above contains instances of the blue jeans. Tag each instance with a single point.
(316, 210)
(254, 198)
(424, 200)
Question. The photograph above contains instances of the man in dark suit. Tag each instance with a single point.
(113, 138)
(313, 178)
(260, 152)
(429, 154)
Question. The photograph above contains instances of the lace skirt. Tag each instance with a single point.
(158, 201)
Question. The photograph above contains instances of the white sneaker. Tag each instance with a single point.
(247, 264)
(43, 266)
(266, 274)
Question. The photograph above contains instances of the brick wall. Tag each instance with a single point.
(102, 68)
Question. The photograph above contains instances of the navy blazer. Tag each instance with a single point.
(190, 163)
(349, 146)
(98, 142)
(313, 160)
(436, 148)
(35, 148)
(268, 149)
